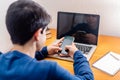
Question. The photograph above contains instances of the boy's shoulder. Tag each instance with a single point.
(46, 62)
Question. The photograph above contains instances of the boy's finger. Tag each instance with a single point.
(59, 44)
(60, 40)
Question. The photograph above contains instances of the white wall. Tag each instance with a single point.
(5, 42)
(107, 9)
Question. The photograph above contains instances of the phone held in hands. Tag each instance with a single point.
(67, 41)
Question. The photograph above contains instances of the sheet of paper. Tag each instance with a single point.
(110, 63)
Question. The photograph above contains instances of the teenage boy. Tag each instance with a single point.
(26, 23)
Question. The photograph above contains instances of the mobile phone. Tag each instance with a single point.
(67, 41)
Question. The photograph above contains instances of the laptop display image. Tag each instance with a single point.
(83, 27)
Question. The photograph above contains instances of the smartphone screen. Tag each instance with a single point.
(67, 41)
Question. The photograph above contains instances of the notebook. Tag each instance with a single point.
(83, 27)
(109, 63)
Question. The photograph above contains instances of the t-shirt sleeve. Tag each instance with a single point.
(41, 54)
(81, 67)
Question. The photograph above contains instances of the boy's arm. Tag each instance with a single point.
(41, 54)
(81, 69)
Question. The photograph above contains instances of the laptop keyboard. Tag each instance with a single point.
(83, 48)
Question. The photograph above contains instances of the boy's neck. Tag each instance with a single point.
(27, 49)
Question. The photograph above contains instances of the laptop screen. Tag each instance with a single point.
(84, 27)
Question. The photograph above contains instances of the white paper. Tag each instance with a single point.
(110, 63)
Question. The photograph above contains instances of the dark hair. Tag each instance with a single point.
(23, 19)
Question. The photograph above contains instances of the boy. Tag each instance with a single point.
(26, 23)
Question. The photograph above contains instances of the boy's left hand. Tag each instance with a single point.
(55, 47)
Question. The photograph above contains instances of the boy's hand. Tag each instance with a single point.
(55, 47)
(71, 50)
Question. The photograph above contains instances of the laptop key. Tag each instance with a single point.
(84, 49)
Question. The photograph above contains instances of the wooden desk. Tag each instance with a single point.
(105, 44)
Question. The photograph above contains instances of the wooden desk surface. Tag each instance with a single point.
(105, 44)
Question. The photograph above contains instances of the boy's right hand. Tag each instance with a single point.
(71, 49)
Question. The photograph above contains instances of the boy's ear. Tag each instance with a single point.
(37, 34)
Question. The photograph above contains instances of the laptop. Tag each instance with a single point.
(83, 27)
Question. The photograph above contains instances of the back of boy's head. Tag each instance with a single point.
(23, 19)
